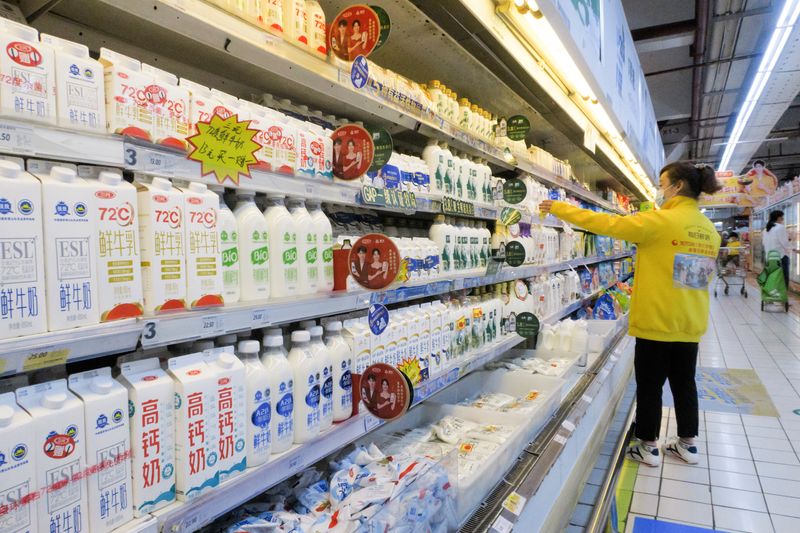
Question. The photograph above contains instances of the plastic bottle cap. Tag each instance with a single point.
(9, 169)
(109, 178)
(334, 325)
(63, 174)
(276, 195)
(273, 341)
(316, 331)
(161, 184)
(308, 324)
(227, 359)
(102, 384)
(201, 346)
(198, 187)
(6, 415)
(301, 336)
(249, 347)
(272, 332)
(54, 400)
(227, 340)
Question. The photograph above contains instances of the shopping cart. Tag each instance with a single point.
(772, 283)
(731, 271)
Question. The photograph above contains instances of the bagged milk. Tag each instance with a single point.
(17, 468)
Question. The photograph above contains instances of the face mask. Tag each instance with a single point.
(661, 197)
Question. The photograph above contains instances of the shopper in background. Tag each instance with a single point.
(775, 238)
(733, 244)
(676, 251)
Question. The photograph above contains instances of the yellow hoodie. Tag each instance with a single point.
(676, 252)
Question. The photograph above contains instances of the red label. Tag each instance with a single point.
(223, 381)
(155, 94)
(193, 200)
(193, 373)
(222, 111)
(150, 378)
(122, 214)
(122, 75)
(59, 446)
(106, 195)
(275, 133)
(160, 198)
(316, 148)
(24, 54)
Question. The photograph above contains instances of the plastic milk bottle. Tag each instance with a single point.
(306, 373)
(231, 399)
(325, 362)
(18, 469)
(307, 254)
(281, 386)
(259, 404)
(28, 87)
(151, 411)
(342, 361)
(229, 243)
(254, 248)
(283, 258)
(201, 238)
(58, 446)
(108, 444)
(322, 227)
(21, 253)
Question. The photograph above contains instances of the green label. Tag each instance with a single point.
(494, 267)
(311, 255)
(289, 256)
(388, 198)
(518, 127)
(385, 24)
(259, 256)
(383, 148)
(509, 216)
(327, 255)
(453, 206)
(230, 256)
(515, 254)
(527, 325)
(514, 191)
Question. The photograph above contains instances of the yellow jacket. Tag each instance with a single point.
(676, 252)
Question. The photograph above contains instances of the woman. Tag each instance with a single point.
(775, 238)
(377, 268)
(339, 41)
(386, 399)
(338, 159)
(669, 315)
(358, 41)
(352, 161)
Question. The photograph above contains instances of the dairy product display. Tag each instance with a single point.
(18, 477)
(284, 259)
(28, 88)
(229, 249)
(325, 363)
(281, 380)
(308, 259)
(306, 372)
(254, 247)
(202, 244)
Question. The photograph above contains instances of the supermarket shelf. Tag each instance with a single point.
(190, 516)
(788, 199)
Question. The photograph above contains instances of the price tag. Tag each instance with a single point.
(603, 374)
(454, 206)
(569, 426)
(296, 463)
(150, 333)
(371, 422)
(514, 503)
(560, 439)
(259, 318)
(586, 398)
(45, 358)
(212, 325)
(502, 525)
(16, 139)
(311, 190)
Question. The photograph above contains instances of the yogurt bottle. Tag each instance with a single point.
(342, 361)
(259, 404)
(306, 375)
(283, 259)
(254, 248)
(280, 380)
(307, 253)
(229, 248)
(325, 363)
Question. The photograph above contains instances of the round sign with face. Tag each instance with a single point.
(385, 391)
(353, 152)
(374, 261)
(354, 32)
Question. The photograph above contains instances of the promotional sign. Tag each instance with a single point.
(378, 318)
(355, 31)
(388, 198)
(353, 152)
(454, 206)
(746, 190)
(518, 127)
(374, 261)
(527, 325)
(384, 146)
(224, 147)
(359, 72)
(386, 392)
(514, 191)
(386, 25)
(515, 254)
(509, 216)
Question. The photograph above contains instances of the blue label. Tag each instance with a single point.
(167, 471)
(72, 431)
(5, 206)
(359, 72)
(262, 415)
(102, 421)
(327, 389)
(285, 405)
(346, 382)
(19, 452)
(80, 209)
(378, 318)
(408, 179)
(62, 209)
(312, 398)
(391, 176)
(116, 416)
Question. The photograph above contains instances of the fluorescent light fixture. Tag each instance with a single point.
(780, 35)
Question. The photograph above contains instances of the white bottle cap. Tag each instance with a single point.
(227, 340)
(198, 187)
(245, 193)
(203, 345)
(9, 169)
(63, 174)
(6, 415)
(226, 359)
(102, 384)
(316, 331)
(301, 336)
(161, 184)
(249, 347)
(273, 341)
(308, 324)
(271, 332)
(109, 178)
(54, 399)
(334, 325)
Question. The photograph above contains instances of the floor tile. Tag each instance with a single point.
(782, 487)
(644, 503)
(773, 456)
(650, 471)
(647, 485)
(685, 491)
(760, 421)
(729, 418)
(686, 511)
(778, 470)
(767, 443)
(727, 464)
(685, 473)
(741, 520)
(724, 428)
(733, 480)
(726, 438)
(770, 433)
(738, 499)
(785, 524)
(729, 450)
(783, 505)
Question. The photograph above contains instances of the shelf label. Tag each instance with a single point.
(16, 139)
(454, 206)
(388, 198)
(502, 525)
(371, 422)
(569, 426)
(44, 358)
(514, 503)
(212, 325)
(259, 318)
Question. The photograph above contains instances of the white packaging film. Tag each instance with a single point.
(18, 478)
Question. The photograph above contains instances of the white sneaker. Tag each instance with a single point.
(645, 454)
(687, 452)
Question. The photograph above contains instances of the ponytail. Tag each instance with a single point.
(773, 219)
(698, 178)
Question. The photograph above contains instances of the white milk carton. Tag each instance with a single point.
(162, 244)
(261, 121)
(21, 253)
(27, 75)
(440, 340)
(228, 104)
(196, 419)
(357, 337)
(231, 399)
(415, 356)
(169, 107)
(202, 104)
(58, 441)
(80, 90)
(108, 445)
(151, 411)
(128, 96)
(17, 468)
(424, 317)
(203, 250)
(70, 248)
(119, 272)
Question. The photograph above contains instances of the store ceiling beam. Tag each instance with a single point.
(743, 14)
(705, 64)
(664, 36)
(33, 9)
(701, 15)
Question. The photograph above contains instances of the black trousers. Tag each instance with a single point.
(785, 267)
(654, 363)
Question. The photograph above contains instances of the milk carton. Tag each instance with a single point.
(415, 355)
(231, 399)
(108, 445)
(357, 336)
(201, 238)
(128, 96)
(58, 443)
(228, 104)
(21, 253)
(440, 338)
(119, 273)
(163, 248)
(80, 91)
(425, 346)
(27, 76)
(17, 468)
(196, 419)
(260, 120)
(151, 411)
(70, 248)
(169, 107)
(202, 104)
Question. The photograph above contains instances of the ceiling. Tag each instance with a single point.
(696, 96)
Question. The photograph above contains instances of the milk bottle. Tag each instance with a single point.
(127, 95)
(230, 396)
(342, 361)
(70, 248)
(21, 252)
(307, 254)
(295, 22)
(108, 444)
(441, 235)
(317, 32)
(259, 404)
(284, 260)
(325, 363)
(322, 227)
(254, 248)
(306, 375)
(280, 381)
(426, 340)
(201, 238)
(440, 337)
(28, 88)
(151, 401)
(58, 449)
(118, 250)
(357, 337)
(18, 470)
(229, 248)
(169, 107)
(80, 91)
(196, 420)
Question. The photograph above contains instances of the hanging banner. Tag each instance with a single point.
(746, 190)
(224, 147)
(374, 261)
(353, 152)
(355, 31)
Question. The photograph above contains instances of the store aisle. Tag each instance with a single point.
(748, 478)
